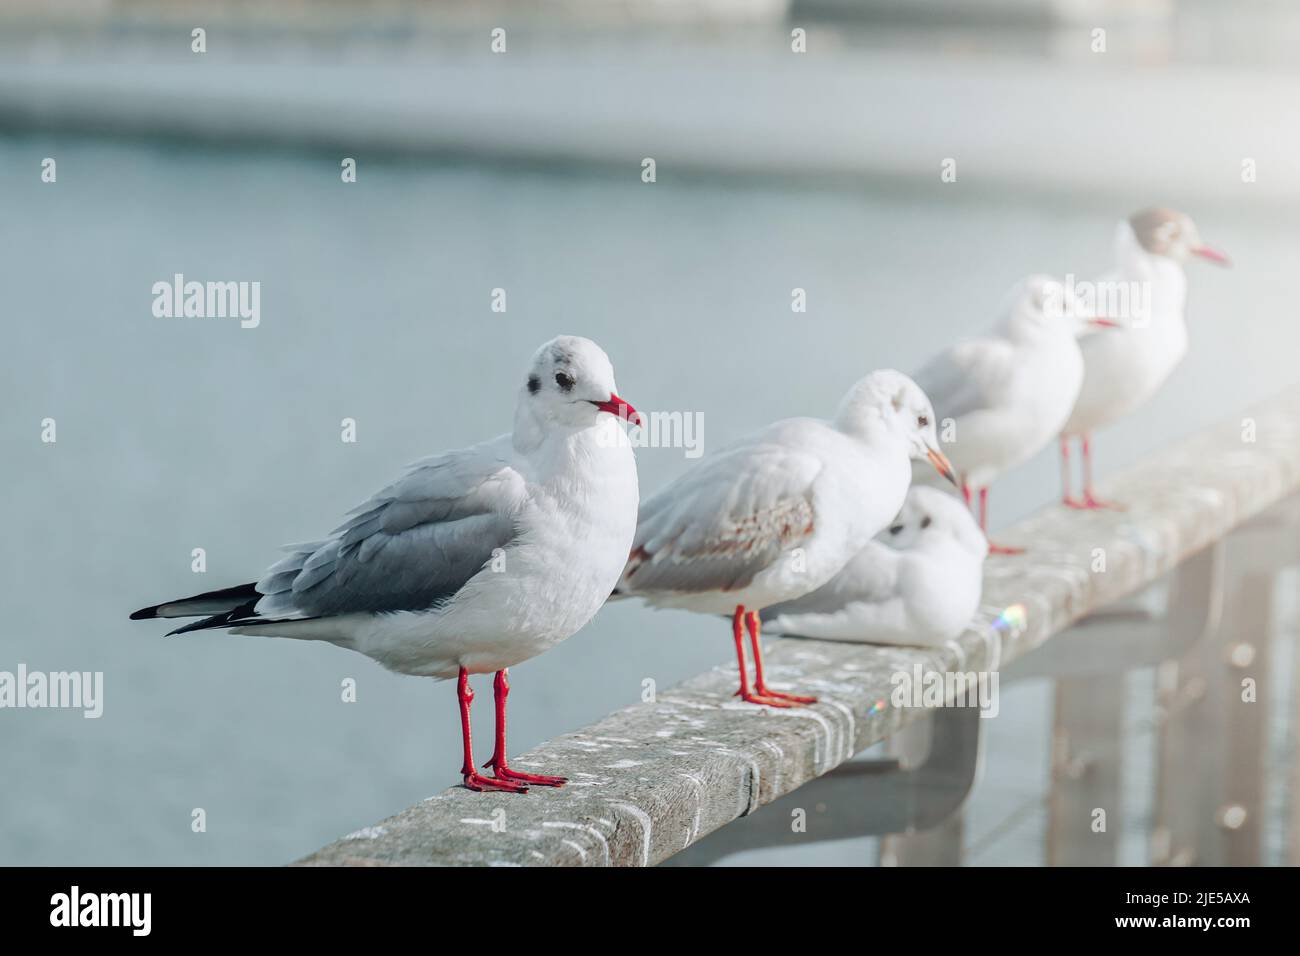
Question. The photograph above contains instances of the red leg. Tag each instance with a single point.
(1066, 498)
(760, 685)
(1091, 501)
(500, 691)
(753, 697)
(473, 780)
(965, 491)
(984, 526)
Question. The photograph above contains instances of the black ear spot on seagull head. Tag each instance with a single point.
(534, 384)
(925, 522)
(897, 401)
(896, 529)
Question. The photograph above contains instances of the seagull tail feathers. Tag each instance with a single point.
(199, 605)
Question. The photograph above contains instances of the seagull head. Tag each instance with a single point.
(930, 514)
(1173, 235)
(571, 382)
(896, 402)
(1044, 305)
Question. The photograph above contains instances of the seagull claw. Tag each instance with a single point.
(503, 772)
(481, 784)
(755, 698)
(1004, 549)
(1091, 503)
(782, 695)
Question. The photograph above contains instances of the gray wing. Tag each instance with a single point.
(968, 377)
(724, 521)
(411, 546)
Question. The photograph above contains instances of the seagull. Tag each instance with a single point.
(1124, 368)
(776, 514)
(1004, 396)
(917, 583)
(473, 561)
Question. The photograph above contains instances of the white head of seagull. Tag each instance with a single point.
(889, 403)
(1040, 307)
(570, 382)
(1172, 235)
(931, 515)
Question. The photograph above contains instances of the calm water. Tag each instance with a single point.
(175, 434)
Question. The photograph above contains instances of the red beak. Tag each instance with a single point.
(1104, 323)
(620, 409)
(1214, 255)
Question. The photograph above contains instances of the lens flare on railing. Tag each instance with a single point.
(1012, 620)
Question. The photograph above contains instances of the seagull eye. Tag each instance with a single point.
(922, 421)
(564, 380)
(925, 522)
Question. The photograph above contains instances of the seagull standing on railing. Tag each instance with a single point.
(776, 514)
(1004, 396)
(475, 560)
(1124, 368)
(919, 582)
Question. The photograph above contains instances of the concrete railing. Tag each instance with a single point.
(651, 780)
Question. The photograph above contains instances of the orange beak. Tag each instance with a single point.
(942, 465)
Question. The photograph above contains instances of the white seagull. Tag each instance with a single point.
(917, 583)
(1124, 368)
(1004, 396)
(776, 514)
(476, 559)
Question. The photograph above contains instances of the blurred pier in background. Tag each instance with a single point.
(1024, 104)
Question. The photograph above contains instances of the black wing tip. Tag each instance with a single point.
(248, 591)
(202, 625)
(232, 618)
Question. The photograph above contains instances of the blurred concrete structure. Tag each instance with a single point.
(1017, 109)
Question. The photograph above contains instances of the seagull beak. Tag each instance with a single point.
(942, 465)
(1214, 255)
(620, 409)
(1104, 323)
